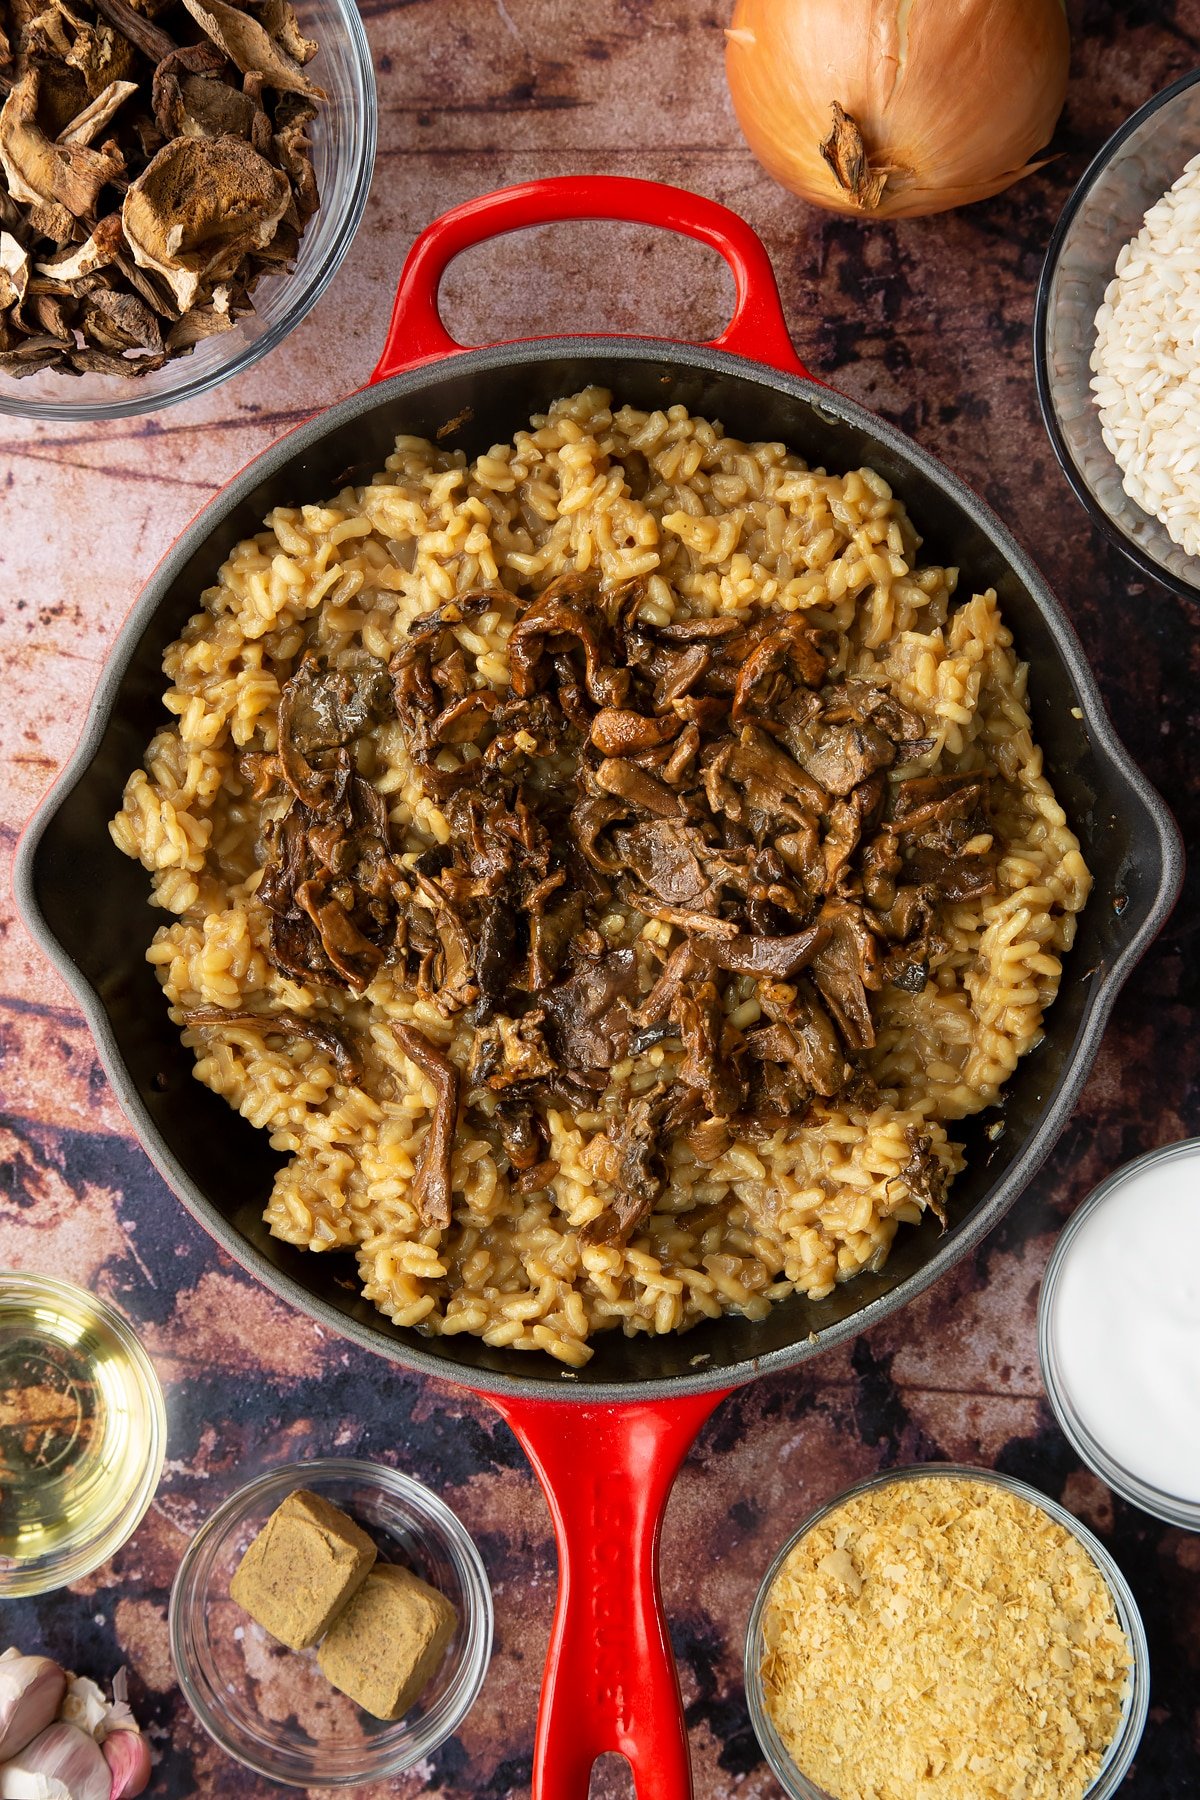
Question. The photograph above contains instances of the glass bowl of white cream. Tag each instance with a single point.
(1119, 1332)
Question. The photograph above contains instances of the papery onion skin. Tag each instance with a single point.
(952, 97)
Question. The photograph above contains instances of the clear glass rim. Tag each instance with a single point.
(452, 1706)
(306, 291)
(1124, 1745)
(78, 1557)
(1111, 527)
(1162, 1505)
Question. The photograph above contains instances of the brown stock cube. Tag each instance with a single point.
(385, 1648)
(308, 1560)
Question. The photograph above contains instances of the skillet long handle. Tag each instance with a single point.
(610, 1680)
(757, 329)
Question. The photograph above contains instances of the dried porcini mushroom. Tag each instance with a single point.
(202, 322)
(14, 272)
(120, 323)
(279, 19)
(250, 47)
(87, 125)
(155, 164)
(199, 209)
(43, 172)
(96, 252)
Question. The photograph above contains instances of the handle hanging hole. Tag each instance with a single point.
(612, 1778)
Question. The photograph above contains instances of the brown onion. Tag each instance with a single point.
(890, 108)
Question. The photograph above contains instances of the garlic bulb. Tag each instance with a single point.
(891, 108)
(31, 1691)
(62, 1763)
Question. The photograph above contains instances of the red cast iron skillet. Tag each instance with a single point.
(608, 1440)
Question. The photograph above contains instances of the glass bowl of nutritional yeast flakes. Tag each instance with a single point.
(82, 1433)
(946, 1632)
(1119, 1332)
(273, 1708)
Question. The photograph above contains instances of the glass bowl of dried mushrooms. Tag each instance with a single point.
(179, 182)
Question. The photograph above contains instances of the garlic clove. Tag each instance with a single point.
(128, 1756)
(31, 1691)
(84, 1705)
(62, 1763)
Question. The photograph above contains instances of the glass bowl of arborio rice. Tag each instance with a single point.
(1117, 337)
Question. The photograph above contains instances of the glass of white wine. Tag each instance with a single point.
(82, 1433)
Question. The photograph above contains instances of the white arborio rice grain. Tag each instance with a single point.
(1146, 362)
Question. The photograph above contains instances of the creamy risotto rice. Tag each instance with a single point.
(709, 526)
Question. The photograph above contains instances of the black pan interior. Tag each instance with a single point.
(89, 906)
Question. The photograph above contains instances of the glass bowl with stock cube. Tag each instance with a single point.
(331, 1624)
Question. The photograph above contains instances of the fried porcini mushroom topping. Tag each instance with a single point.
(432, 1188)
(289, 1025)
(329, 873)
(155, 164)
(681, 863)
(924, 1175)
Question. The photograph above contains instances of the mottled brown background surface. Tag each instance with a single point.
(927, 321)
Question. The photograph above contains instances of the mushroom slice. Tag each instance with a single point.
(14, 271)
(49, 220)
(104, 362)
(197, 61)
(40, 172)
(286, 1025)
(154, 291)
(42, 35)
(32, 354)
(280, 20)
(87, 125)
(100, 54)
(62, 89)
(96, 252)
(120, 323)
(293, 147)
(210, 108)
(432, 1186)
(48, 312)
(252, 49)
(199, 208)
(200, 323)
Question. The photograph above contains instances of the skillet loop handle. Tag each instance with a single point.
(610, 1680)
(757, 329)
